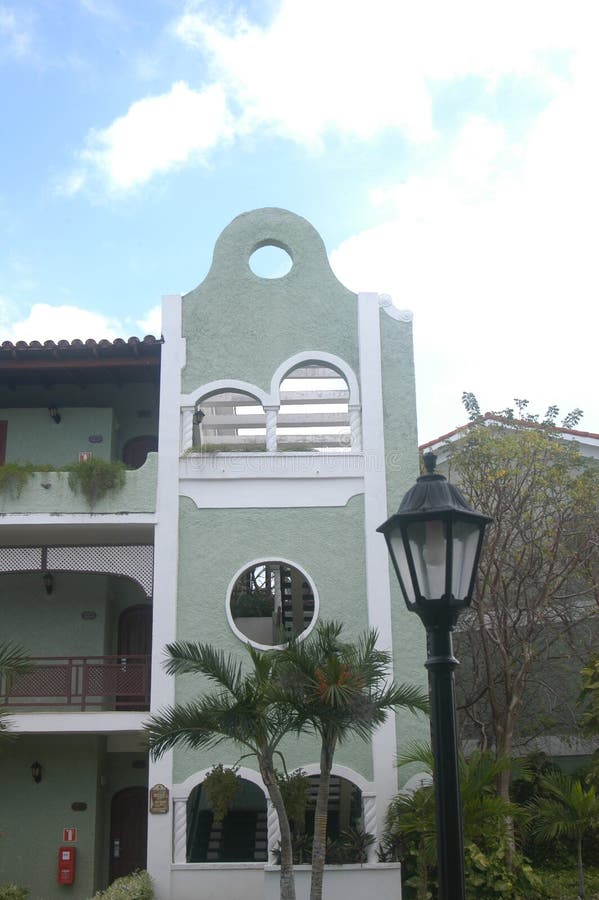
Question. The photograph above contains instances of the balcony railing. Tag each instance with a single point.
(82, 683)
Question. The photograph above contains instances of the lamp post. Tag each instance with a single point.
(434, 541)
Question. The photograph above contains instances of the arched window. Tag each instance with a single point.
(228, 421)
(240, 837)
(314, 411)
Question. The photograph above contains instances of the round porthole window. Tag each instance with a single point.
(269, 601)
(270, 261)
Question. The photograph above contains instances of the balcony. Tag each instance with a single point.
(80, 683)
(49, 493)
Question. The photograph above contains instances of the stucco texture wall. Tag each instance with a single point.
(32, 816)
(240, 326)
(401, 454)
(326, 543)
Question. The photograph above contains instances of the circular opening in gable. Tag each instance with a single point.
(270, 262)
(269, 601)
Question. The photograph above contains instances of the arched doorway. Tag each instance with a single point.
(240, 837)
(128, 831)
(136, 450)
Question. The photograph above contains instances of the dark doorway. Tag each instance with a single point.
(128, 831)
(134, 648)
(136, 450)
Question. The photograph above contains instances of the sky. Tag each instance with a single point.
(447, 153)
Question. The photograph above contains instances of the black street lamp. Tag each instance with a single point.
(435, 541)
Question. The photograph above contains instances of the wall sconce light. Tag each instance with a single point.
(199, 416)
(48, 579)
(36, 771)
(54, 414)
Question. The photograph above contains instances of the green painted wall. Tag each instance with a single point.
(215, 544)
(32, 816)
(401, 453)
(51, 625)
(240, 326)
(134, 413)
(33, 437)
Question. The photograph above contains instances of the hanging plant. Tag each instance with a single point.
(294, 790)
(95, 477)
(14, 476)
(221, 786)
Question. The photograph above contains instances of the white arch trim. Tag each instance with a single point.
(366, 787)
(183, 790)
(226, 384)
(310, 357)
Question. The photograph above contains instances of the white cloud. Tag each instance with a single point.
(494, 250)
(156, 134)
(46, 322)
(340, 67)
(151, 323)
(15, 34)
(359, 68)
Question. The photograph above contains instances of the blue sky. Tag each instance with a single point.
(446, 152)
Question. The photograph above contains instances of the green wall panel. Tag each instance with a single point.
(327, 543)
(240, 326)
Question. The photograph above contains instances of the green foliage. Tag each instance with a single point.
(13, 892)
(14, 477)
(92, 478)
(253, 604)
(488, 876)
(538, 564)
(13, 662)
(131, 887)
(570, 420)
(221, 786)
(350, 847)
(95, 477)
(589, 697)
(563, 885)
(294, 789)
(248, 448)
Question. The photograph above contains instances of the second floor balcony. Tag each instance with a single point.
(80, 683)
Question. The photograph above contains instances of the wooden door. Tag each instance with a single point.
(134, 640)
(128, 831)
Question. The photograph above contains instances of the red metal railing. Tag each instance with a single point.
(84, 682)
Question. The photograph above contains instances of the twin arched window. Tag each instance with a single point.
(312, 413)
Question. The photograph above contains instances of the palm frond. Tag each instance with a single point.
(186, 657)
(14, 660)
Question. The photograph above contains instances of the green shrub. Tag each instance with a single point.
(95, 477)
(254, 604)
(13, 892)
(131, 887)
(13, 478)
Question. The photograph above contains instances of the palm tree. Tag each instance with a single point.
(13, 662)
(339, 689)
(411, 816)
(568, 808)
(241, 710)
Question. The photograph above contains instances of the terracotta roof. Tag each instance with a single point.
(492, 417)
(80, 362)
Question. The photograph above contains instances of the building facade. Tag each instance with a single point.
(282, 410)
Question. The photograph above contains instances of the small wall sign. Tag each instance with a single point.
(85, 455)
(69, 835)
(96, 438)
(88, 614)
(159, 799)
